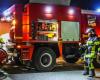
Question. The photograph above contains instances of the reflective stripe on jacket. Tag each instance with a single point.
(91, 53)
(1, 40)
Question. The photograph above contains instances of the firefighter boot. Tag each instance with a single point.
(86, 71)
(92, 73)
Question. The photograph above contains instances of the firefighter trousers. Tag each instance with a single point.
(89, 68)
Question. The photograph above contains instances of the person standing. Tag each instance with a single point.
(91, 49)
(2, 74)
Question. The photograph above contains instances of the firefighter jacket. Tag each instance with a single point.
(92, 47)
(1, 40)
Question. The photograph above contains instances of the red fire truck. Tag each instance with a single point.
(41, 33)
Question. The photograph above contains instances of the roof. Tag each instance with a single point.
(60, 2)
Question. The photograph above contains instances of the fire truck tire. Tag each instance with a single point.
(71, 55)
(3, 56)
(44, 59)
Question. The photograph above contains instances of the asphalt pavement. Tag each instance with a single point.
(67, 72)
(63, 75)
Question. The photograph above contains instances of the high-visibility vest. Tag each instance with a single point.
(94, 48)
(1, 40)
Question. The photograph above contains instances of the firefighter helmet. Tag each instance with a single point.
(90, 30)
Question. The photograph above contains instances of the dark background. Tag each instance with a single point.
(84, 4)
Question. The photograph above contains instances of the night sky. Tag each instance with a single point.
(4, 4)
(84, 4)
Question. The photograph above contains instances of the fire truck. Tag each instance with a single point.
(41, 33)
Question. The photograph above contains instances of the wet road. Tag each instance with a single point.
(66, 72)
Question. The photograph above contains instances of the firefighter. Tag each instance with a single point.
(2, 74)
(91, 48)
(1, 42)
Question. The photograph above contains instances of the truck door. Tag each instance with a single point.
(70, 36)
(70, 31)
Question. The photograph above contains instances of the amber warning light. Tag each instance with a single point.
(18, 46)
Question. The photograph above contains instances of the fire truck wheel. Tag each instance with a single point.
(45, 59)
(3, 56)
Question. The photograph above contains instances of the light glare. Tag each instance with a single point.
(71, 11)
(8, 19)
(98, 10)
(48, 9)
(6, 13)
